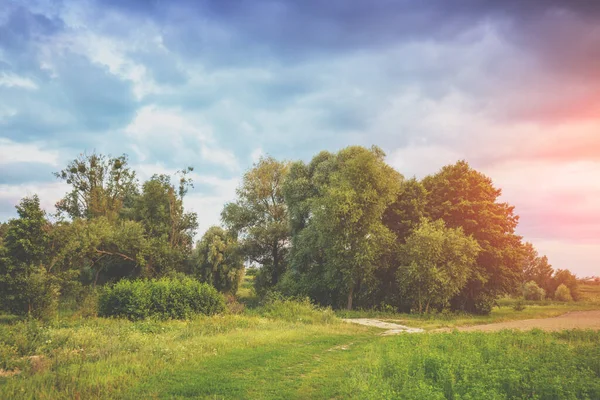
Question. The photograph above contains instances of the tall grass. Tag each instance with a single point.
(505, 365)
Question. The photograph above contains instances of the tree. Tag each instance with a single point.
(563, 293)
(169, 229)
(531, 291)
(436, 265)
(101, 186)
(566, 278)
(111, 250)
(259, 219)
(217, 260)
(464, 197)
(406, 213)
(339, 238)
(25, 285)
(536, 268)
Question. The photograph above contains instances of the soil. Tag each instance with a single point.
(571, 320)
(391, 328)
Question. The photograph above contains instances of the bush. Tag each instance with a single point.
(531, 291)
(35, 294)
(163, 299)
(563, 293)
(302, 311)
(519, 305)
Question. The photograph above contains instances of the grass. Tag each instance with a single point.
(293, 350)
(502, 313)
(590, 293)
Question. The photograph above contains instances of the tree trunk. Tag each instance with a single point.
(275, 276)
(350, 295)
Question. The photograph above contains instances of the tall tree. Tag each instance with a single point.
(406, 213)
(340, 235)
(436, 264)
(217, 260)
(25, 286)
(464, 197)
(101, 186)
(259, 218)
(536, 268)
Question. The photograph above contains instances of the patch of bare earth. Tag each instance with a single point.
(391, 328)
(570, 320)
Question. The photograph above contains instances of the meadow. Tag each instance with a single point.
(293, 350)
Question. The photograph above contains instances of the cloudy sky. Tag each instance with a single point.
(511, 86)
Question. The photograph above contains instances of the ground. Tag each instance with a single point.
(294, 351)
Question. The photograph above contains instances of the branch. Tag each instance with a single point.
(115, 254)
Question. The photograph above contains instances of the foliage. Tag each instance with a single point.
(25, 285)
(519, 305)
(436, 264)
(163, 298)
(101, 186)
(464, 197)
(563, 293)
(566, 278)
(531, 291)
(302, 311)
(536, 268)
(337, 202)
(217, 260)
(259, 219)
(169, 229)
(406, 213)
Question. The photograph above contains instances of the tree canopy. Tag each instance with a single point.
(345, 229)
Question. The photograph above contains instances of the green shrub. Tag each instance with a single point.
(163, 299)
(519, 305)
(531, 291)
(563, 293)
(302, 311)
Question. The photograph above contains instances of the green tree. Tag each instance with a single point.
(464, 197)
(168, 227)
(537, 269)
(436, 265)
(340, 239)
(566, 278)
(259, 219)
(101, 186)
(531, 291)
(406, 213)
(563, 293)
(25, 285)
(217, 260)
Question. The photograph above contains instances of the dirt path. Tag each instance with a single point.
(570, 320)
(392, 329)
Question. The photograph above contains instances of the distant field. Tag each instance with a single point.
(505, 312)
(590, 293)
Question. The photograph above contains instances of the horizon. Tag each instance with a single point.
(511, 88)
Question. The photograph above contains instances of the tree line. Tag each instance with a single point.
(345, 230)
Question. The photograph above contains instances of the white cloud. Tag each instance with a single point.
(13, 152)
(49, 193)
(186, 136)
(11, 80)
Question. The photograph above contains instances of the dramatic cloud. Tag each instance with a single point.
(511, 86)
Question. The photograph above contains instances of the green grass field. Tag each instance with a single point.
(294, 351)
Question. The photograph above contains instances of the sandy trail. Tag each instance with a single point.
(570, 320)
(391, 328)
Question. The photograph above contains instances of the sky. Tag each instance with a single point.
(511, 86)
